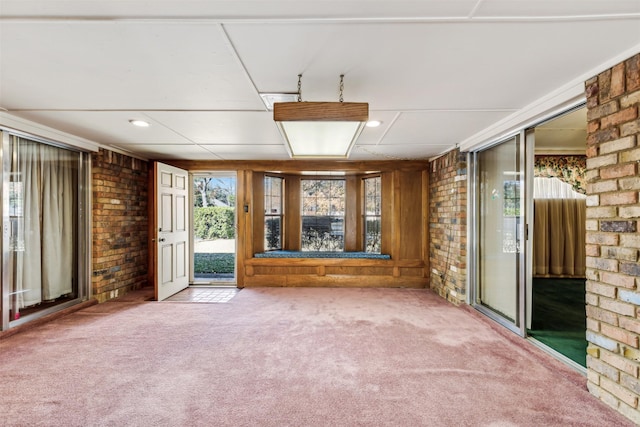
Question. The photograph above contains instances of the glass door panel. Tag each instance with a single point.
(499, 225)
(41, 223)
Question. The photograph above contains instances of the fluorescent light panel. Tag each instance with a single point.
(320, 129)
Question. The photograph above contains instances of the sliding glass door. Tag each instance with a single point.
(499, 225)
(44, 229)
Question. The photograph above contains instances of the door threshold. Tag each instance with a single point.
(557, 355)
(213, 285)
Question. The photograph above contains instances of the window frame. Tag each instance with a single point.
(327, 239)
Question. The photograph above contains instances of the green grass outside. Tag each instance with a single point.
(204, 263)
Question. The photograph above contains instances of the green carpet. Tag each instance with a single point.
(558, 316)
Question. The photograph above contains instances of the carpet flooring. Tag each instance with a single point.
(558, 316)
(288, 357)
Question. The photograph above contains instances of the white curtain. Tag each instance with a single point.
(553, 188)
(43, 213)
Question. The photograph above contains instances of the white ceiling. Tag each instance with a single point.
(566, 134)
(435, 72)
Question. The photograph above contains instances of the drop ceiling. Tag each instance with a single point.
(435, 73)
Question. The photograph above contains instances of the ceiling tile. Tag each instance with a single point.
(249, 152)
(121, 65)
(222, 127)
(439, 127)
(170, 151)
(106, 127)
(550, 8)
(388, 152)
(239, 9)
(430, 66)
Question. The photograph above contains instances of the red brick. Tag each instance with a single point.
(119, 195)
(591, 88)
(629, 128)
(618, 171)
(632, 68)
(617, 80)
(604, 86)
(603, 135)
(602, 111)
(623, 116)
(593, 126)
(593, 250)
(621, 198)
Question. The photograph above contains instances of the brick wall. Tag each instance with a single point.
(613, 242)
(120, 220)
(448, 225)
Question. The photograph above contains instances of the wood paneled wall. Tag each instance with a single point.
(404, 225)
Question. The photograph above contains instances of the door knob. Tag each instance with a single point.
(161, 239)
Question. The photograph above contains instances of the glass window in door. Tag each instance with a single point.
(499, 224)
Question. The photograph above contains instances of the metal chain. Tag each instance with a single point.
(299, 87)
(341, 86)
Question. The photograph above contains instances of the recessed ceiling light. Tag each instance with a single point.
(139, 123)
(270, 98)
(373, 123)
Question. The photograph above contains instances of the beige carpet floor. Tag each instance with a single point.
(287, 357)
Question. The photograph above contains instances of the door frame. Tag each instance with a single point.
(83, 244)
(519, 324)
(214, 173)
(525, 276)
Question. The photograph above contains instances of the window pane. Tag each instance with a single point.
(323, 207)
(372, 214)
(273, 208)
(272, 233)
(372, 233)
(322, 233)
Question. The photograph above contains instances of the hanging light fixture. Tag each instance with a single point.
(320, 129)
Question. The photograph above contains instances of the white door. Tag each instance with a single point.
(172, 237)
